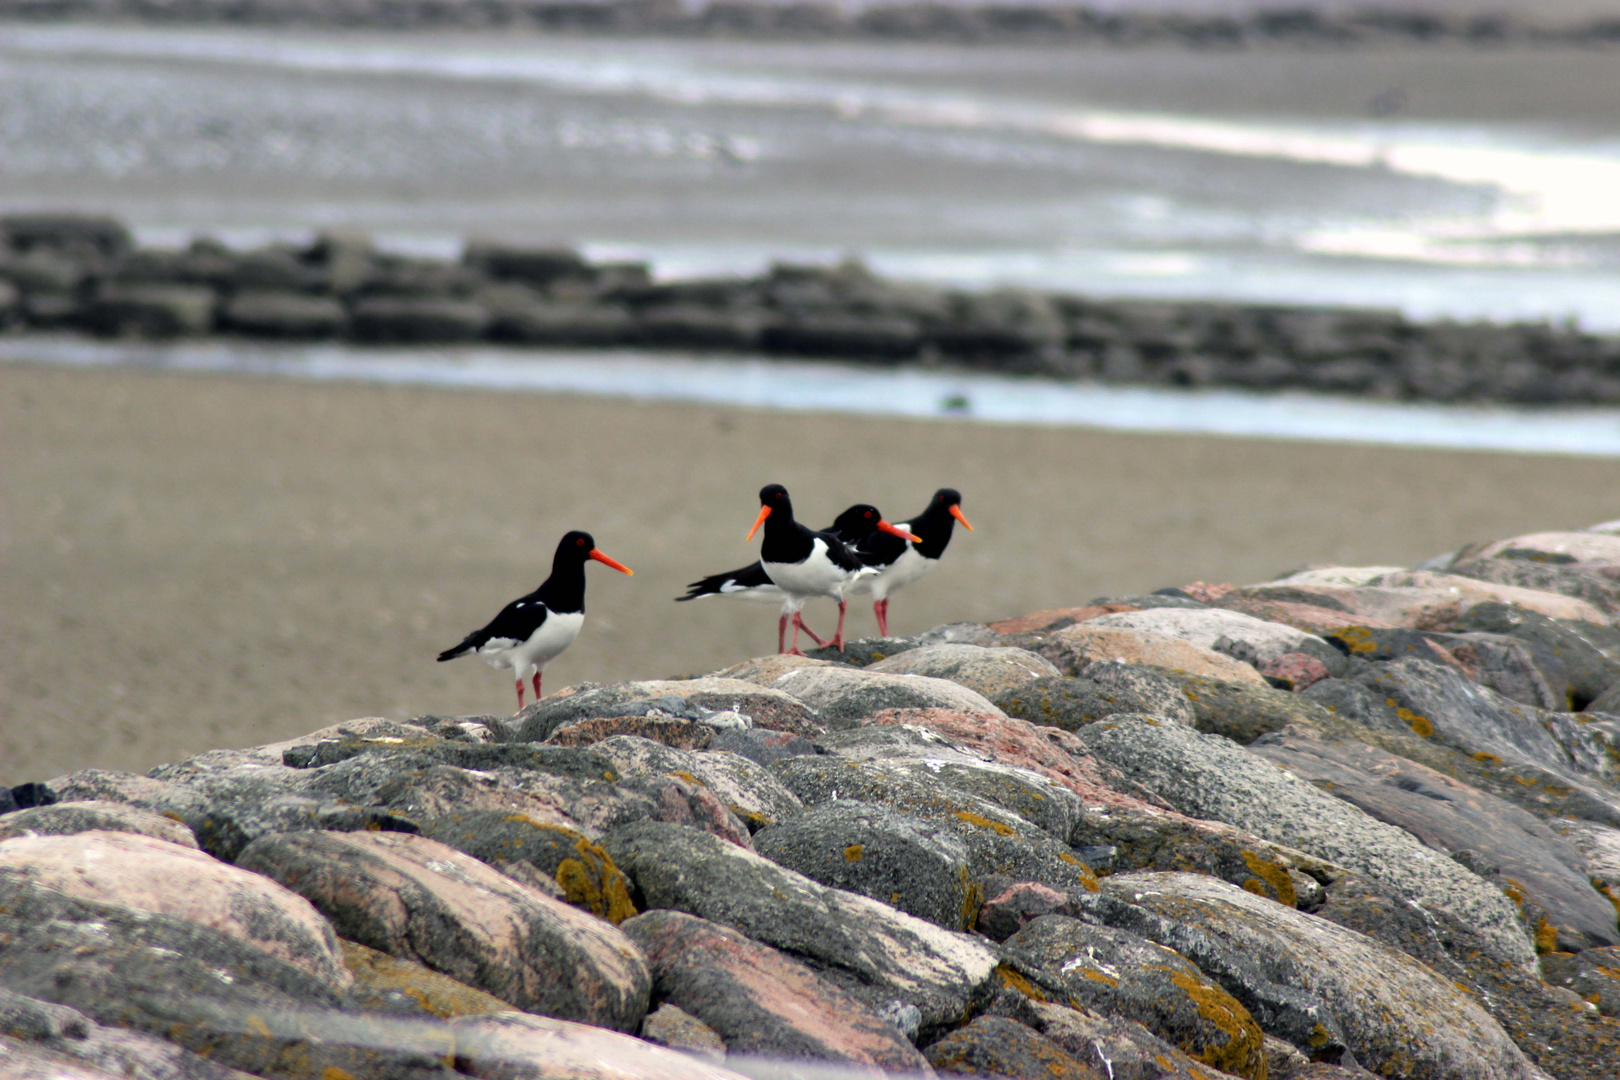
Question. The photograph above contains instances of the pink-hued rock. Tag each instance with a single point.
(1300, 669)
(1206, 593)
(1036, 621)
(1073, 647)
(64, 819)
(517, 1046)
(1583, 547)
(416, 898)
(764, 670)
(1054, 753)
(1311, 618)
(680, 1030)
(760, 1001)
(138, 872)
(1419, 599)
(989, 671)
(1005, 913)
(128, 789)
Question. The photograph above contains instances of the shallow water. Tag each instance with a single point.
(839, 388)
(1443, 183)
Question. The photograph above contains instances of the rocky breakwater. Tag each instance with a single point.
(85, 274)
(1279, 24)
(1353, 821)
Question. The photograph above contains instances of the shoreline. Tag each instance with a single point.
(85, 274)
(1283, 26)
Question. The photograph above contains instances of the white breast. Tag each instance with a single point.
(909, 567)
(818, 575)
(548, 642)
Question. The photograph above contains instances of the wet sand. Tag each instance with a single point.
(190, 561)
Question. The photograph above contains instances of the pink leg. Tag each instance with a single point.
(781, 634)
(838, 636)
(793, 650)
(799, 622)
(537, 688)
(881, 610)
(520, 695)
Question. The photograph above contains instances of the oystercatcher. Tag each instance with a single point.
(804, 564)
(533, 630)
(900, 562)
(751, 582)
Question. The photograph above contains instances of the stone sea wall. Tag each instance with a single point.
(1356, 821)
(1268, 26)
(84, 274)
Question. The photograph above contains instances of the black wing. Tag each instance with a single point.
(881, 549)
(749, 577)
(840, 553)
(515, 623)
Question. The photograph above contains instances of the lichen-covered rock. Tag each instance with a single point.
(1074, 648)
(1103, 689)
(1586, 583)
(747, 788)
(760, 1001)
(763, 746)
(1502, 843)
(139, 874)
(1242, 637)
(691, 699)
(418, 899)
(996, 1046)
(1294, 671)
(894, 858)
(988, 671)
(1594, 974)
(128, 789)
(1210, 777)
(63, 819)
(518, 1046)
(1054, 619)
(1398, 1016)
(1555, 548)
(1421, 599)
(1112, 1045)
(1118, 973)
(998, 841)
(389, 984)
(846, 697)
(869, 949)
(676, 732)
(580, 866)
(866, 651)
(1244, 711)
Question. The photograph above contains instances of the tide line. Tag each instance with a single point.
(840, 388)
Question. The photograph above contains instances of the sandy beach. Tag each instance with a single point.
(191, 561)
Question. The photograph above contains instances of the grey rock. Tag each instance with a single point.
(748, 789)
(1451, 817)
(999, 842)
(66, 232)
(1121, 974)
(1240, 636)
(867, 948)
(1572, 646)
(68, 1032)
(965, 633)
(931, 758)
(762, 745)
(416, 320)
(261, 313)
(894, 858)
(60, 819)
(1243, 712)
(1593, 974)
(997, 1046)
(680, 1030)
(151, 311)
(1568, 580)
(863, 652)
(844, 697)
(1209, 777)
(760, 1001)
(563, 324)
(1112, 1045)
(691, 699)
(1100, 690)
(1396, 1014)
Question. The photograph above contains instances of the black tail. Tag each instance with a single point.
(463, 649)
(749, 577)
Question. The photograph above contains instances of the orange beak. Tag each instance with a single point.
(901, 533)
(764, 512)
(610, 561)
(956, 512)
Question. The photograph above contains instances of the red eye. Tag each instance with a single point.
(581, 543)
